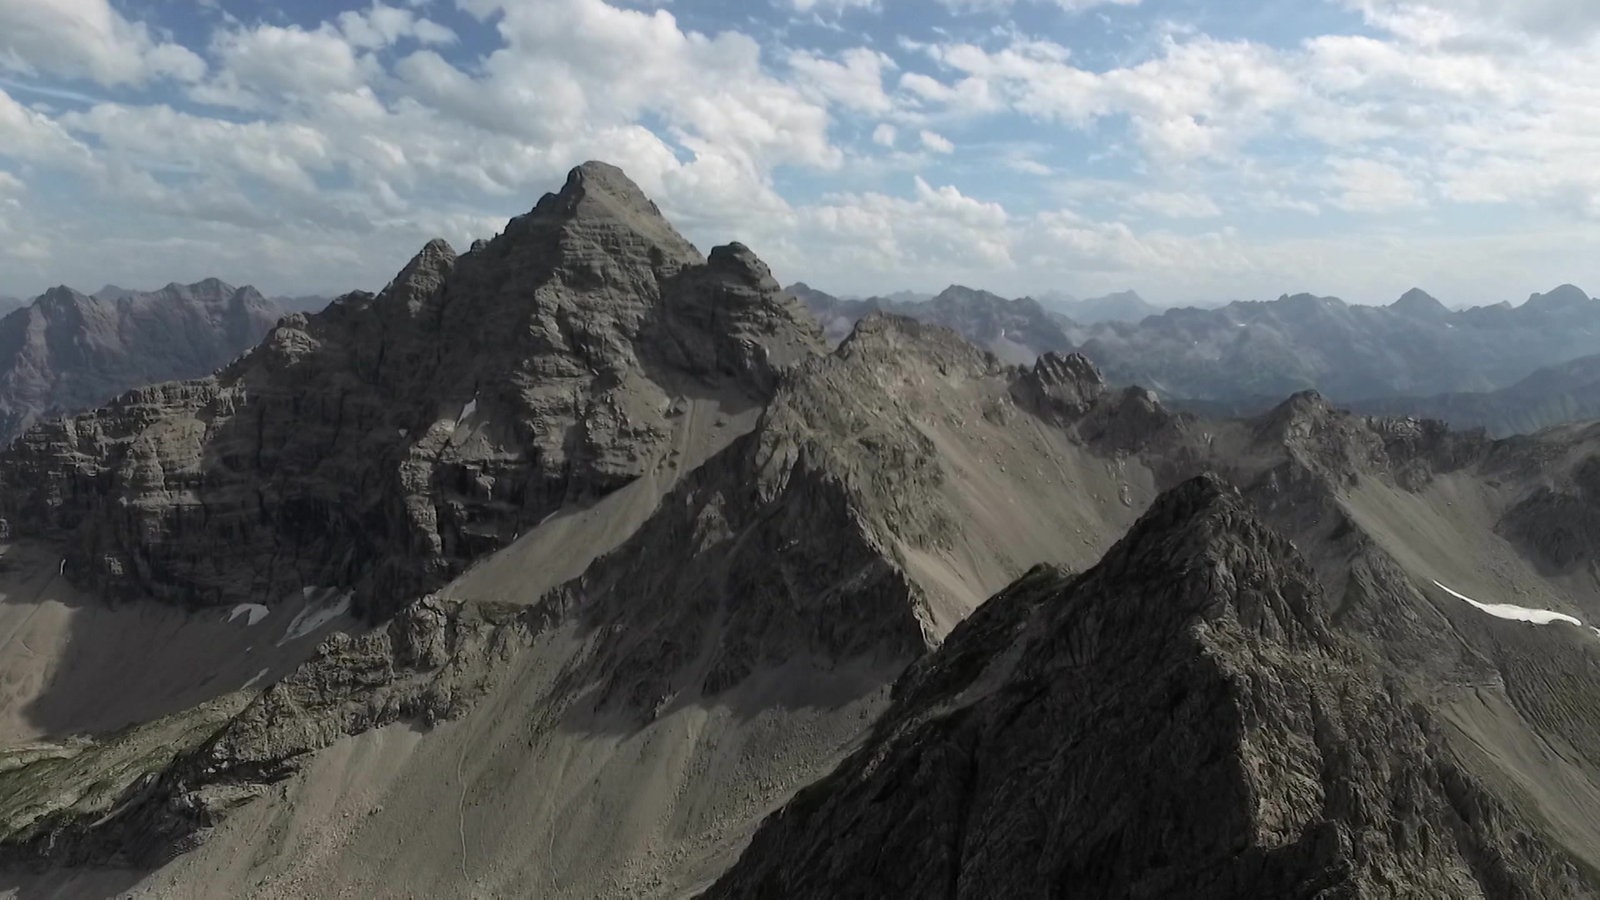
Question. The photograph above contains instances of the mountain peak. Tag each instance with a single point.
(601, 212)
(597, 187)
(113, 292)
(1567, 295)
(1205, 526)
(1417, 302)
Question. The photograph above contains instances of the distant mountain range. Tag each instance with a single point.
(1122, 306)
(1017, 331)
(67, 351)
(1568, 392)
(1504, 367)
(307, 303)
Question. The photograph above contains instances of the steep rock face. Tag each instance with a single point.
(1181, 719)
(388, 441)
(66, 352)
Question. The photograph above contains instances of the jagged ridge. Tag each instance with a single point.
(1178, 720)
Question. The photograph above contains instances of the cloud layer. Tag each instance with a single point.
(1022, 146)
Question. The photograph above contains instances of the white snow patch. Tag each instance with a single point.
(1515, 613)
(254, 679)
(316, 615)
(467, 411)
(253, 613)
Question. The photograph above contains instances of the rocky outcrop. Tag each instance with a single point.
(1181, 719)
(66, 352)
(390, 440)
(1060, 389)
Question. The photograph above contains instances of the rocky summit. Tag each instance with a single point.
(390, 440)
(660, 595)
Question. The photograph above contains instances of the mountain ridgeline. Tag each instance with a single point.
(1508, 369)
(66, 352)
(661, 595)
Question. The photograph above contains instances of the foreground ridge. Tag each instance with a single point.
(1180, 719)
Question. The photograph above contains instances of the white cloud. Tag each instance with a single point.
(884, 135)
(835, 6)
(1198, 98)
(1073, 6)
(854, 82)
(282, 155)
(1437, 21)
(262, 64)
(938, 143)
(1365, 185)
(936, 230)
(1028, 166)
(572, 64)
(31, 136)
(1177, 204)
(87, 39)
(383, 26)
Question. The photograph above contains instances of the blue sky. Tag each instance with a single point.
(1196, 151)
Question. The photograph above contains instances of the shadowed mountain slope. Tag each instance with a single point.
(1180, 719)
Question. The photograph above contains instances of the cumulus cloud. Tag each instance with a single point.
(88, 39)
(362, 135)
(1436, 21)
(30, 136)
(854, 81)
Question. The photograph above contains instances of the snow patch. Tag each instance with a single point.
(317, 614)
(253, 613)
(1515, 613)
(254, 679)
(467, 411)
